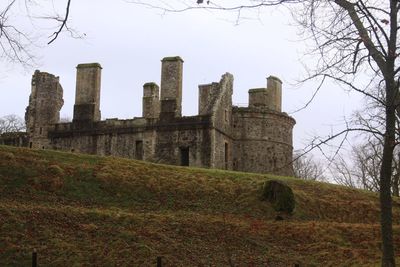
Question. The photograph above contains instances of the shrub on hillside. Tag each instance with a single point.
(280, 195)
(55, 170)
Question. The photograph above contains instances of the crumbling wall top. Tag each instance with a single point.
(89, 65)
(150, 84)
(257, 90)
(177, 58)
(274, 78)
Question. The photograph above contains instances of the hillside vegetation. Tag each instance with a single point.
(82, 210)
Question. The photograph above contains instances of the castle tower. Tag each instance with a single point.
(87, 96)
(45, 103)
(151, 101)
(264, 132)
(171, 86)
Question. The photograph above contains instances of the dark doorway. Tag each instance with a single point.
(184, 151)
(139, 150)
(226, 155)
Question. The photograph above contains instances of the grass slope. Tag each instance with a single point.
(82, 210)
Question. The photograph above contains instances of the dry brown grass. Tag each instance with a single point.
(82, 210)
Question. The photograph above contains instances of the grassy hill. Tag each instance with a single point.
(82, 210)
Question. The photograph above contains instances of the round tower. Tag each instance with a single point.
(263, 132)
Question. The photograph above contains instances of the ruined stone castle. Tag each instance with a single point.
(257, 138)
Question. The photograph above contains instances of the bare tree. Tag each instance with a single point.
(366, 157)
(357, 46)
(360, 168)
(367, 160)
(307, 167)
(342, 172)
(16, 40)
(11, 123)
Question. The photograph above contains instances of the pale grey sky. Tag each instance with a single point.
(129, 41)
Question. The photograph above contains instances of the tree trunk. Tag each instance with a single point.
(385, 179)
(395, 186)
(396, 176)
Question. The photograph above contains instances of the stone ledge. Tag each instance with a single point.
(177, 58)
(89, 65)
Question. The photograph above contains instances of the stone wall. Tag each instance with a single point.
(111, 137)
(150, 140)
(189, 135)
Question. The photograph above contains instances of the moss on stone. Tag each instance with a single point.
(274, 78)
(256, 90)
(150, 84)
(172, 58)
(89, 65)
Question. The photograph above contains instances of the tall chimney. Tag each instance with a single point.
(87, 97)
(171, 85)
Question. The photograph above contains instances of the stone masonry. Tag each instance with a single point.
(257, 138)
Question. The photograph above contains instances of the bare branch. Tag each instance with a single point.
(63, 23)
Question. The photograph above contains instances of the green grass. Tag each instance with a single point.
(83, 210)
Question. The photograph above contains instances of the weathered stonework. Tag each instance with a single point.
(257, 138)
(43, 111)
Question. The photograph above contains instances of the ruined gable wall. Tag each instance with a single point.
(43, 111)
(208, 95)
(221, 141)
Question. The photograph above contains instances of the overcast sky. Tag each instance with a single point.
(129, 41)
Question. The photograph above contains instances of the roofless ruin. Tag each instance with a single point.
(257, 138)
